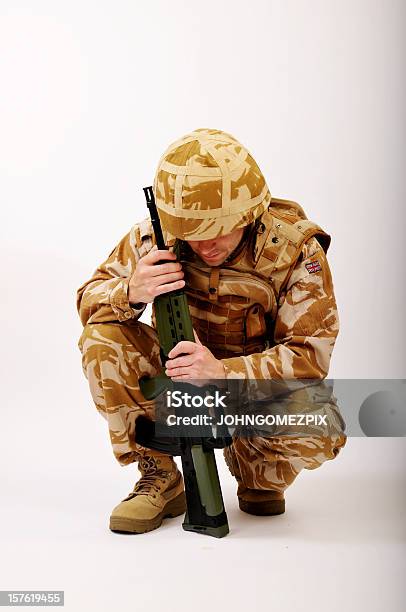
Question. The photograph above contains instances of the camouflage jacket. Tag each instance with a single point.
(304, 313)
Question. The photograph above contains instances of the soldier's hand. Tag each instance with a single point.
(151, 278)
(193, 361)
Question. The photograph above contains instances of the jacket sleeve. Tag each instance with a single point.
(104, 297)
(305, 328)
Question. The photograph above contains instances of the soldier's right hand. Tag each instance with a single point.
(152, 278)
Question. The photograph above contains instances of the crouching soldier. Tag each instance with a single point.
(261, 299)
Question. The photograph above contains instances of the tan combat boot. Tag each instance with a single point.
(159, 493)
(260, 502)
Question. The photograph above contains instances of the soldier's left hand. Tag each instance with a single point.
(193, 361)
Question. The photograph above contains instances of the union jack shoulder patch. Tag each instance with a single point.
(313, 266)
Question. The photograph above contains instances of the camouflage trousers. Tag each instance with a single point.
(116, 355)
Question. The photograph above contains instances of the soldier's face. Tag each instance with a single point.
(215, 252)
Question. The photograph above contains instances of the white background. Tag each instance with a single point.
(91, 93)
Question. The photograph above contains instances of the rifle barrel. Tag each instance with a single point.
(153, 211)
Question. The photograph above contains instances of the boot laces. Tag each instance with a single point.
(151, 475)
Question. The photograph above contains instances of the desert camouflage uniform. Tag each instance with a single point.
(118, 350)
(268, 312)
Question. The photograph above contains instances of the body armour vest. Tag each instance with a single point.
(233, 306)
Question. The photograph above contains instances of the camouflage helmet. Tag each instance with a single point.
(208, 185)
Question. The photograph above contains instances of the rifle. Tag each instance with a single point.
(205, 507)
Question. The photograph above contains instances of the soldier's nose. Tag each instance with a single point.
(206, 246)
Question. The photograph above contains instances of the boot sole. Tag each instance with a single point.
(264, 508)
(173, 508)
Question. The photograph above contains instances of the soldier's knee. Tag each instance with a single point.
(100, 335)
